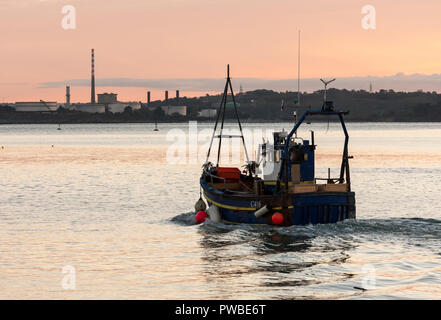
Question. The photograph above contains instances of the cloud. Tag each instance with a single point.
(160, 84)
(397, 82)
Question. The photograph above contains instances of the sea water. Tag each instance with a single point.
(98, 211)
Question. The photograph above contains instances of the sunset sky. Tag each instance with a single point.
(195, 39)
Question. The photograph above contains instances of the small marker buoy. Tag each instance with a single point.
(201, 216)
(277, 218)
(200, 205)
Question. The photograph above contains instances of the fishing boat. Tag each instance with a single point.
(281, 188)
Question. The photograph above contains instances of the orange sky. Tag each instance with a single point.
(146, 39)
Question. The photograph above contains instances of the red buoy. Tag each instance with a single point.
(201, 216)
(277, 218)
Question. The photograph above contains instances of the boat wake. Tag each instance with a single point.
(324, 260)
(184, 219)
(410, 228)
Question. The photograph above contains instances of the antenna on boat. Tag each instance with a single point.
(327, 105)
(222, 110)
(326, 85)
(295, 121)
(282, 106)
(296, 102)
(298, 74)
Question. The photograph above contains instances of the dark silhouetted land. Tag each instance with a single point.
(261, 105)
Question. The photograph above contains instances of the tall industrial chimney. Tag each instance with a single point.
(177, 95)
(148, 97)
(166, 95)
(92, 93)
(67, 96)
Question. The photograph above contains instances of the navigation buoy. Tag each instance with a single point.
(201, 216)
(277, 218)
(200, 205)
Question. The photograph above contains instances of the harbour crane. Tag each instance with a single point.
(45, 104)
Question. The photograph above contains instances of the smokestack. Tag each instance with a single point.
(177, 95)
(67, 96)
(148, 97)
(92, 93)
(166, 95)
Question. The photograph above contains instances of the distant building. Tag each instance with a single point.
(229, 104)
(111, 103)
(90, 107)
(35, 106)
(70, 107)
(207, 113)
(119, 107)
(107, 98)
(170, 110)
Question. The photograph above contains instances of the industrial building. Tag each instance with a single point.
(110, 100)
(107, 98)
(41, 106)
(92, 80)
(67, 105)
(107, 102)
(90, 107)
(207, 113)
(170, 110)
(119, 107)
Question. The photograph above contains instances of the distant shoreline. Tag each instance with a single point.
(212, 122)
(259, 106)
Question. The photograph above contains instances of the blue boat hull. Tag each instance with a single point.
(298, 209)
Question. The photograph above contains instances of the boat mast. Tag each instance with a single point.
(222, 110)
(296, 102)
(298, 84)
(298, 74)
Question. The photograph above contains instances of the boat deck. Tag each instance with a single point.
(242, 187)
